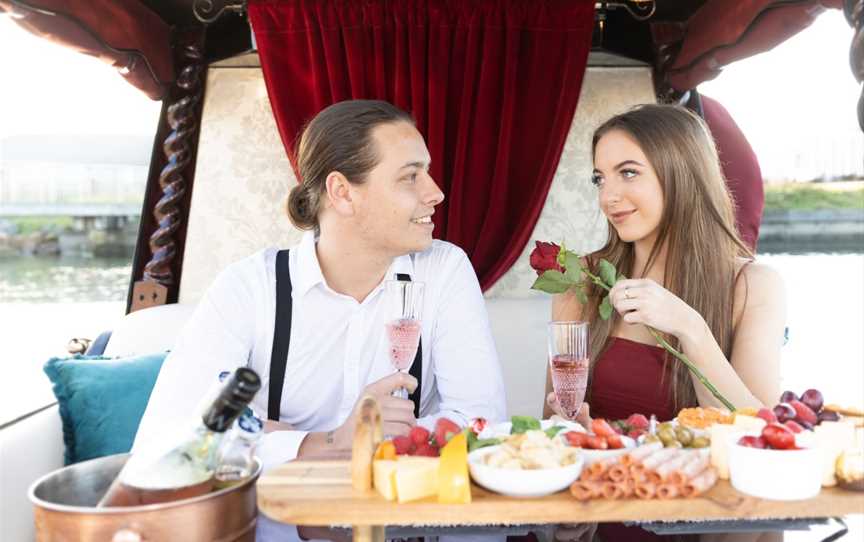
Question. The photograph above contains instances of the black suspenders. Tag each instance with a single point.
(281, 335)
(282, 340)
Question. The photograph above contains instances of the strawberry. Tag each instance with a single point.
(615, 442)
(426, 450)
(778, 436)
(403, 445)
(444, 430)
(601, 427)
(636, 433)
(803, 413)
(478, 425)
(793, 426)
(419, 435)
(767, 415)
(596, 442)
(577, 439)
(638, 421)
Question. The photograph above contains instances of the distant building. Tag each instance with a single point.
(52, 169)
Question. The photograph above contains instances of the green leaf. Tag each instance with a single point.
(572, 267)
(477, 443)
(581, 295)
(520, 424)
(554, 430)
(605, 308)
(607, 273)
(551, 282)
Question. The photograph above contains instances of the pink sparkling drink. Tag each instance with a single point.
(403, 336)
(569, 380)
(568, 364)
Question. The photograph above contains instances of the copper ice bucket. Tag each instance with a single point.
(64, 509)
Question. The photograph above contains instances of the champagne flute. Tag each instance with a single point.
(404, 304)
(568, 362)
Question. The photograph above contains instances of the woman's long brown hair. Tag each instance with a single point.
(697, 226)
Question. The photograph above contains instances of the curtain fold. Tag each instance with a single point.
(493, 85)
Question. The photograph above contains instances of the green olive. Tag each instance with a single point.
(685, 436)
(665, 425)
(700, 442)
(651, 438)
(666, 435)
(673, 444)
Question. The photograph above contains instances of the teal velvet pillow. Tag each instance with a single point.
(101, 401)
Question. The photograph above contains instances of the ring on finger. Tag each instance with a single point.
(627, 293)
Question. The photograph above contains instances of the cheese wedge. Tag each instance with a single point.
(749, 423)
(454, 486)
(406, 478)
(832, 438)
(383, 478)
(722, 436)
(416, 478)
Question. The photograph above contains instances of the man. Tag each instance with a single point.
(367, 198)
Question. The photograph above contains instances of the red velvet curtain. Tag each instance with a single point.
(493, 85)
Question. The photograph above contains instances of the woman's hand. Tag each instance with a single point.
(643, 301)
(583, 417)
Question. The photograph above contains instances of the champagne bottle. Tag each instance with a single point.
(179, 468)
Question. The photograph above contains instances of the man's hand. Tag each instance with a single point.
(397, 415)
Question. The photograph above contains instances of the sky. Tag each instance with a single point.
(796, 103)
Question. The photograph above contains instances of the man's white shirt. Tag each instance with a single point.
(338, 346)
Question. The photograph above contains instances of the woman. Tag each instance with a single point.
(690, 277)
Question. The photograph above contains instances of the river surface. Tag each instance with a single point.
(44, 302)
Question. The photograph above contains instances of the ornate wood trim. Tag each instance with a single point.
(161, 237)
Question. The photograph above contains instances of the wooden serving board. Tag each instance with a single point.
(321, 493)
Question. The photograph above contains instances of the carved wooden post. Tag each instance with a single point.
(854, 10)
(160, 276)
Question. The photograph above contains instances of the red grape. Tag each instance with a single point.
(784, 411)
(813, 399)
(788, 396)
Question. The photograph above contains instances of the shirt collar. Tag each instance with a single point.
(309, 269)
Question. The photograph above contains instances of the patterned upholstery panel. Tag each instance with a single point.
(241, 181)
(571, 213)
(243, 175)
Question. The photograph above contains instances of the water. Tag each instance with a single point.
(44, 302)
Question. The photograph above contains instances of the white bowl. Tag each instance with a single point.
(519, 482)
(783, 475)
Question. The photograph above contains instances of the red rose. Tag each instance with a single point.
(545, 257)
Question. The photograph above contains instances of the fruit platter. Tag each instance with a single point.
(799, 459)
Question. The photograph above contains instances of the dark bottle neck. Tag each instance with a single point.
(232, 400)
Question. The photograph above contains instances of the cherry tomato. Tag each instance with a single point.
(778, 436)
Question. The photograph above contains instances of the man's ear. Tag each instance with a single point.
(338, 191)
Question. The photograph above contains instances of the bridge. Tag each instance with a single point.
(76, 210)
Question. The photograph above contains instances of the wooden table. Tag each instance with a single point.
(338, 492)
(320, 493)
